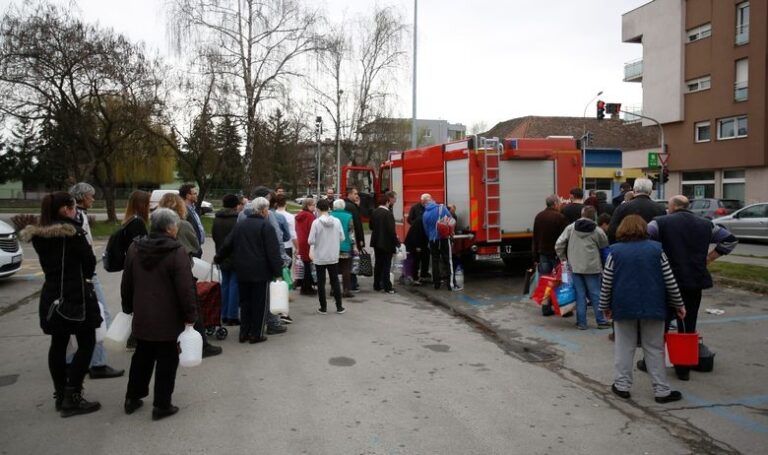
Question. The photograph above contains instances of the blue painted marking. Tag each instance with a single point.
(558, 339)
(760, 317)
(498, 299)
(742, 421)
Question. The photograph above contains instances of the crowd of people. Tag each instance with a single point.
(639, 265)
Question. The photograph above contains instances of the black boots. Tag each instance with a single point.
(58, 396)
(74, 404)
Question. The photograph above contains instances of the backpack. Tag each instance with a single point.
(445, 224)
(113, 258)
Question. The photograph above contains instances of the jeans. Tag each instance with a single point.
(381, 269)
(230, 295)
(162, 357)
(587, 285)
(57, 358)
(333, 276)
(547, 263)
(99, 353)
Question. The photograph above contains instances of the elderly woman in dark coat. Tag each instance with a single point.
(159, 290)
(68, 304)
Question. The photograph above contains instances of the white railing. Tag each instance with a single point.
(633, 70)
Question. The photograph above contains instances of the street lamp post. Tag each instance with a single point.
(584, 144)
(413, 115)
(318, 133)
(661, 149)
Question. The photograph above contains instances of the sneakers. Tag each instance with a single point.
(285, 318)
(581, 327)
(341, 310)
(604, 325)
(322, 311)
(210, 350)
(390, 291)
(673, 396)
(276, 329)
(622, 393)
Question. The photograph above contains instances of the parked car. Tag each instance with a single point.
(662, 202)
(751, 222)
(11, 254)
(300, 200)
(154, 199)
(713, 208)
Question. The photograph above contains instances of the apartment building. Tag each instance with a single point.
(703, 72)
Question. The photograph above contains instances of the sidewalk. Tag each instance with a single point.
(725, 411)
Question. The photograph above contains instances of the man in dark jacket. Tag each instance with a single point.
(223, 224)
(617, 201)
(351, 205)
(641, 205)
(603, 206)
(256, 260)
(685, 239)
(161, 308)
(384, 242)
(417, 241)
(572, 210)
(547, 227)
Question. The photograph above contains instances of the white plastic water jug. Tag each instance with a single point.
(101, 332)
(278, 297)
(205, 271)
(458, 277)
(190, 348)
(119, 331)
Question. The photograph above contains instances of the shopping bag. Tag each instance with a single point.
(564, 300)
(287, 277)
(366, 264)
(544, 288)
(563, 271)
(298, 269)
(209, 298)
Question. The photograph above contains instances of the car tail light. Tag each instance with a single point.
(722, 211)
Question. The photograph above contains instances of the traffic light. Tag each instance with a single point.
(612, 108)
(664, 175)
(600, 110)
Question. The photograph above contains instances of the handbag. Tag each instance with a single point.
(366, 264)
(445, 225)
(67, 309)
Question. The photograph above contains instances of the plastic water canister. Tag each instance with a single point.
(101, 332)
(119, 330)
(278, 297)
(202, 271)
(190, 348)
(458, 276)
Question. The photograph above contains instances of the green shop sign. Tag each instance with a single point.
(653, 160)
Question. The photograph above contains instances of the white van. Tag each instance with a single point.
(154, 199)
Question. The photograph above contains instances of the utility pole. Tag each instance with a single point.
(318, 133)
(415, 36)
(662, 149)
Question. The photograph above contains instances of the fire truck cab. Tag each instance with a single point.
(497, 187)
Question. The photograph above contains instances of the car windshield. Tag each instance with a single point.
(733, 204)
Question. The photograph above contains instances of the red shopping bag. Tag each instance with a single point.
(544, 289)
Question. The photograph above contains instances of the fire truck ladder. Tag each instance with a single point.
(492, 149)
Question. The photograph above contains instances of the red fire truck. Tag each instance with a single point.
(497, 186)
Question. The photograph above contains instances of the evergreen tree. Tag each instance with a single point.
(228, 143)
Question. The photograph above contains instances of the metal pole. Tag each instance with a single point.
(584, 145)
(413, 115)
(661, 148)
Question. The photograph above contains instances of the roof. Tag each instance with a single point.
(606, 133)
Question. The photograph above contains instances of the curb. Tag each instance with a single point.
(741, 284)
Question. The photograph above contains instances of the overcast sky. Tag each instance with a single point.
(479, 60)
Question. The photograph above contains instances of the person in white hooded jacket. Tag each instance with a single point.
(325, 238)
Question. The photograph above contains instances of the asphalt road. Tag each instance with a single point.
(394, 375)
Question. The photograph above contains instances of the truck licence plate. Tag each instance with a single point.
(16, 259)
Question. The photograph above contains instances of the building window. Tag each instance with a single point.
(697, 185)
(742, 23)
(742, 80)
(699, 32)
(699, 84)
(732, 127)
(702, 132)
(598, 184)
(733, 184)
(428, 132)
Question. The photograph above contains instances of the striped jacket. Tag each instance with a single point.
(638, 282)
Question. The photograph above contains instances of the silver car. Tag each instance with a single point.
(10, 251)
(751, 222)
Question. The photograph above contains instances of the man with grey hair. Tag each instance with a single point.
(253, 245)
(85, 195)
(641, 204)
(547, 227)
(686, 238)
(417, 242)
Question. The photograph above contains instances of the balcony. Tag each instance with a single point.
(741, 91)
(633, 71)
(742, 34)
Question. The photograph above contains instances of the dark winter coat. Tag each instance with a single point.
(158, 288)
(547, 227)
(352, 208)
(135, 229)
(383, 235)
(223, 224)
(255, 252)
(641, 205)
(79, 265)
(572, 211)
(304, 221)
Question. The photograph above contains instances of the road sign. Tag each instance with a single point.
(653, 160)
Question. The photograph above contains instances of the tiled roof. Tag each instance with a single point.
(606, 133)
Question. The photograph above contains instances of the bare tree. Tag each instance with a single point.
(257, 42)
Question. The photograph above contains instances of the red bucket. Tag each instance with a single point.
(683, 348)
